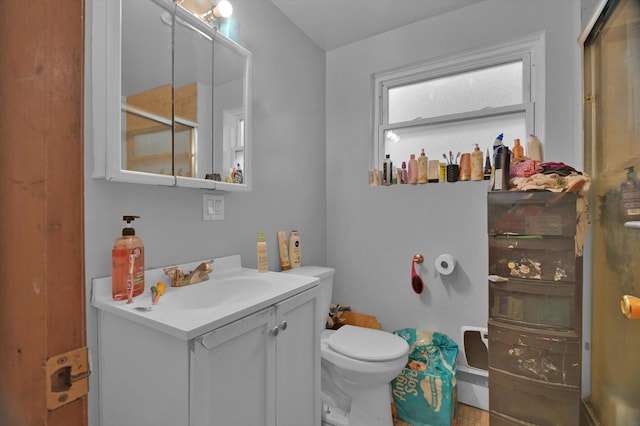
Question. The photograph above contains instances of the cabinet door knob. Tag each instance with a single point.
(274, 331)
(283, 325)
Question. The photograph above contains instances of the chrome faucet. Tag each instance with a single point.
(179, 279)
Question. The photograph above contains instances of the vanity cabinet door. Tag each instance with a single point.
(233, 374)
(298, 360)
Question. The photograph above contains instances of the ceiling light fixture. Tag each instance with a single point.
(207, 10)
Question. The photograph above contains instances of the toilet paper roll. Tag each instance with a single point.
(445, 264)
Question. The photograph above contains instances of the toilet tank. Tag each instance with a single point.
(326, 286)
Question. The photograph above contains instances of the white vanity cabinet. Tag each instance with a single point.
(259, 366)
(261, 370)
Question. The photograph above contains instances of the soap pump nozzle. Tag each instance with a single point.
(129, 230)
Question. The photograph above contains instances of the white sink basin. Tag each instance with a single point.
(230, 293)
(214, 292)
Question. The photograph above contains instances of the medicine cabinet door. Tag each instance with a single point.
(164, 83)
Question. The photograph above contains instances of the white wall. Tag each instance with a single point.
(288, 177)
(373, 233)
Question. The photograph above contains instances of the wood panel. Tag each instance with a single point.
(158, 101)
(42, 309)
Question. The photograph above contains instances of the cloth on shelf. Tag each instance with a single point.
(524, 168)
(558, 168)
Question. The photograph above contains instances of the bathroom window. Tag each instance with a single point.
(453, 103)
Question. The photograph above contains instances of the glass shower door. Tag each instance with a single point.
(612, 144)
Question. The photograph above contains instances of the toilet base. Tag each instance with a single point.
(370, 407)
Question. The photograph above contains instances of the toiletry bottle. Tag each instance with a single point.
(433, 171)
(261, 249)
(127, 252)
(387, 170)
(487, 166)
(283, 249)
(497, 143)
(630, 189)
(237, 174)
(294, 250)
(501, 176)
(413, 169)
(534, 148)
(476, 164)
(518, 151)
(405, 174)
(465, 167)
(442, 172)
(422, 168)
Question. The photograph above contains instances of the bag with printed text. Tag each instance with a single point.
(424, 393)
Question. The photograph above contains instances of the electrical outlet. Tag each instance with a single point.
(212, 207)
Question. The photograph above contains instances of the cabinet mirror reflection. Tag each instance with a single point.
(184, 98)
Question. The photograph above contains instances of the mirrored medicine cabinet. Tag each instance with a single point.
(170, 98)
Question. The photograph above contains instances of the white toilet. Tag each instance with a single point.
(357, 366)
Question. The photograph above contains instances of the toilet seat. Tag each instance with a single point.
(367, 344)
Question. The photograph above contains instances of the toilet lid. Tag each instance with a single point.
(367, 344)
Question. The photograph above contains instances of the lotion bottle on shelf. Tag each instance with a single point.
(534, 148)
(387, 171)
(501, 169)
(413, 169)
(422, 168)
(261, 248)
(477, 173)
(283, 249)
(518, 151)
(295, 257)
(127, 257)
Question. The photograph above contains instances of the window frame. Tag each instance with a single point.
(530, 50)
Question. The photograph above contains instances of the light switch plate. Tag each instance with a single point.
(212, 207)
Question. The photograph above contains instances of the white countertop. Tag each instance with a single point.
(185, 323)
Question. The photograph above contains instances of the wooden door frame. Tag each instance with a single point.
(42, 307)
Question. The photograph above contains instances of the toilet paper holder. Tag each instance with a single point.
(445, 264)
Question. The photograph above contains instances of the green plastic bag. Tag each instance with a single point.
(424, 393)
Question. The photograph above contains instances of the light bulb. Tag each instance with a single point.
(223, 9)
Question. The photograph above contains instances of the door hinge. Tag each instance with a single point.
(67, 377)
